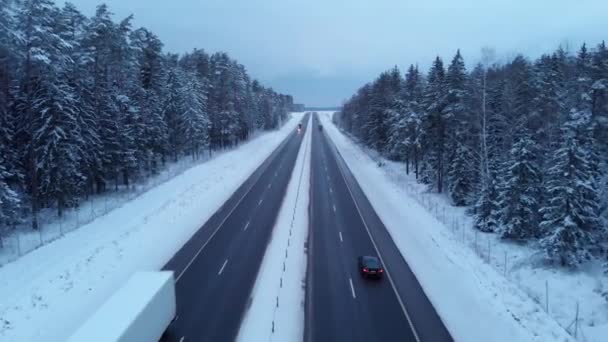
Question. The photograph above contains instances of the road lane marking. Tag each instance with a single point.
(182, 339)
(264, 167)
(388, 275)
(269, 185)
(275, 174)
(223, 266)
(246, 226)
(352, 288)
(260, 202)
(334, 208)
(331, 190)
(341, 237)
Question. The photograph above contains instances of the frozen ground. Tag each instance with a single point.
(283, 271)
(46, 294)
(473, 297)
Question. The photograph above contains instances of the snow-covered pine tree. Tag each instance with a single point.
(11, 175)
(550, 103)
(127, 128)
(10, 203)
(413, 88)
(599, 99)
(71, 25)
(148, 58)
(434, 131)
(571, 215)
(521, 191)
(487, 207)
(377, 125)
(171, 105)
(460, 130)
(48, 128)
(195, 124)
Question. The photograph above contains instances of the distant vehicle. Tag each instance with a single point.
(320, 127)
(370, 266)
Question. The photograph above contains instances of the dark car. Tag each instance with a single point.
(370, 266)
(320, 127)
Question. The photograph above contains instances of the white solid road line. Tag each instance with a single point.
(388, 275)
(352, 288)
(341, 237)
(246, 225)
(281, 146)
(223, 266)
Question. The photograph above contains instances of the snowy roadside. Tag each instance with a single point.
(46, 294)
(283, 270)
(479, 304)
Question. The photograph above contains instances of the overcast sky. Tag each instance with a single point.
(321, 51)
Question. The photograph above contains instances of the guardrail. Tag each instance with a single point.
(140, 311)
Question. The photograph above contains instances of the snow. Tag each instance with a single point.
(480, 303)
(48, 293)
(275, 282)
(151, 305)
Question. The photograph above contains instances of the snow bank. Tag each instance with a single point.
(141, 311)
(283, 270)
(475, 302)
(47, 294)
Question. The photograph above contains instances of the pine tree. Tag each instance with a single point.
(487, 207)
(521, 192)
(147, 55)
(571, 215)
(46, 108)
(194, 119)
(10, 203)
(460, 174)
(71, 26)
(434, 139)
(461, 170)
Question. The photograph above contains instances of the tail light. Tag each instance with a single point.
(365, 270)
(381, 270)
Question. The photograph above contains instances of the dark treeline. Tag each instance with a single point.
(90, 104)
(524, 145)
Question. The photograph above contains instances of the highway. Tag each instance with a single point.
(216, 269)
(340, 304)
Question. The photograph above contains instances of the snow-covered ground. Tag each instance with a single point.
(474, 298)
(283, 271)
(46, 294)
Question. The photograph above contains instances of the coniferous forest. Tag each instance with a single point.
(523, 144)
(91, 104)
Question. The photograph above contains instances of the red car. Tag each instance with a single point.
(370, 267)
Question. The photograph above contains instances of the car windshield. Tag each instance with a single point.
(372, 262)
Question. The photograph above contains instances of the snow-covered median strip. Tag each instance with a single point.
(475, 302)
(277, 309)
(46, 294)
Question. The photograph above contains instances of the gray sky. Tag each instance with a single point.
(321, 51)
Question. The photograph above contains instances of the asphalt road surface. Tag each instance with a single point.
(216, 269)
(340, 304)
